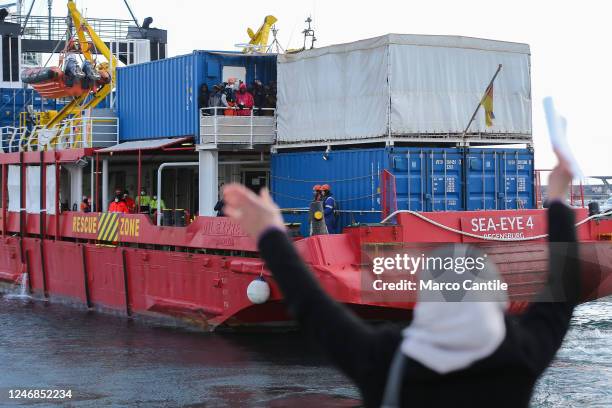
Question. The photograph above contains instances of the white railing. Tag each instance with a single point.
(218, 129)
(70, 134)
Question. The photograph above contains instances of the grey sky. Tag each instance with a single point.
(571, 55)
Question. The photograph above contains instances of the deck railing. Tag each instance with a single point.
(219, 129)
(71, 134)
(43, 28)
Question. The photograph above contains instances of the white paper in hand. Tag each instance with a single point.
(557, 130)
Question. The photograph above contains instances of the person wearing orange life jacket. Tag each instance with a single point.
(244, 100)
(228, 98)
(129, 202)
(229, 102)
(118, 205)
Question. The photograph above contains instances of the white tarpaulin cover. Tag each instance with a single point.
(408, 84)
(14, 190)
(33, 189)
(50, 181)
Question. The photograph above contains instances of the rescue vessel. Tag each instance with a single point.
(399, 159)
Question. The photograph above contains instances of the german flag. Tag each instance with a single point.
(487, 104)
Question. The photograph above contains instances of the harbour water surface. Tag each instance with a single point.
(107, 361)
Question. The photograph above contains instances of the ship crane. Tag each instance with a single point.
(53, 82)
(259, 40)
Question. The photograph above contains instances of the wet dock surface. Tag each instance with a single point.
(109, 361)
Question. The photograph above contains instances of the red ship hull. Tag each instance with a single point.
(143, 276)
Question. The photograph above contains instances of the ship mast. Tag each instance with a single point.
(49, 7)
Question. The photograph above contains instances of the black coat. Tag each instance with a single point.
(505, 378)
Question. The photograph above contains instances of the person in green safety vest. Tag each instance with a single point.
(144, 200)
(153, 204)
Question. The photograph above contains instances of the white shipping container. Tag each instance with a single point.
(402, 86)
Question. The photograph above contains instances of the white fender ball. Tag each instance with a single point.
(258, 291)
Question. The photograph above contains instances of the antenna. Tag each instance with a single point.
(275, 45)
(309, 32)
(49, 9)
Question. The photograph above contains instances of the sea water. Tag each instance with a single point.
(109, 361)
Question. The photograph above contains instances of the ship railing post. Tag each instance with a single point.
(159, 182)
(22, 196)
(126, 287)
(4, 197)
(57, 198)
(251, 129)
(139, 188)
(215, 124)
(85, 276)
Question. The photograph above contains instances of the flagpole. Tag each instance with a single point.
(499, 67)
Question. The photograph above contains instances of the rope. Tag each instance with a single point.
(468, 234)
(369, 176)
(56, 46)
(31, 98)
(310, 199)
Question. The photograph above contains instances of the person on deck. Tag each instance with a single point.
(259, 97)
(214, 101)
(230, 88)
(244, 101)
(85, 206)
(144, 199)
(118, 205)
(316, 193)
(329, 209)
(220, 203)
(129, 202)
(455, 354)
(154, 204)
(203, 96)
(269, 100)
(227, 100)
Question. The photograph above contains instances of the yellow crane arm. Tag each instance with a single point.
(82, 28)
(260, 38)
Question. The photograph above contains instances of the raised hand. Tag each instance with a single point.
(255, 213)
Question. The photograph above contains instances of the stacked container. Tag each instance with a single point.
(160, 98)
(415, 95)
(426, 179)
(16, 100)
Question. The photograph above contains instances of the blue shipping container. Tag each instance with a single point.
(499, 179)
(160, 98)
(426, 179)
(15, 100)
(352, 175)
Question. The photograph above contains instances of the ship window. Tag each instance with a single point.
(154, 51)
(10, 59)
(14, 59)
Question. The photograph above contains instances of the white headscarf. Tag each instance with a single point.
(447, 336)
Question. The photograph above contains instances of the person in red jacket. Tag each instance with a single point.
(244, 101)
(129, 202)
(118, 205)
